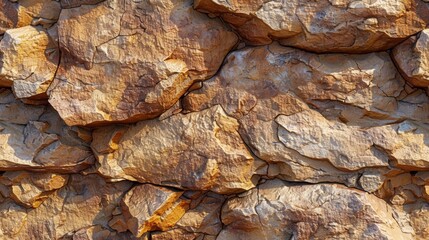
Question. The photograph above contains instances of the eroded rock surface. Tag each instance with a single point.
(165, 61)
(323, 26)
(275, 101)
(161, 119)
(412, 58)
(35, 138)
(276, 210)
(28, 61)
(198, 151)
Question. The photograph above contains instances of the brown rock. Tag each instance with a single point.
(29, 59)
(176, 234)
(31, 189)
(271, 89)
(323, 26)
(276, 210)
(205, 217)
(148, 208)
(198, 151)
(172, 47)
(412, 58)
(14, 14)
(35, 138)
(84, 202)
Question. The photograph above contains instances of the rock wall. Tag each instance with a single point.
(212, 119)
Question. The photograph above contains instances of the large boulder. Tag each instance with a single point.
(99, 81)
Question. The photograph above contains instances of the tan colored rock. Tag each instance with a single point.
(35, 138)
(148, 208)
(198, 151)
(354, 95)
(276, 210)
(419, 217)
(31, 189)
(172, 47)
(323, 26)
(412, 58)
(205, 217)
(176, 234)
(29, 60)
(84, 202)
(14, 14)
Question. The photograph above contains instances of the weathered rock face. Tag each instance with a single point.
(323, 26)
(35, 138)
(29, 60)
(412, 57)
(198, 151)
(161, 119)
(272, 99)
(276, 210)
(165, 62)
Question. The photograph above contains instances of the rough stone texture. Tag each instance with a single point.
(276, 210)
(165, 62)
(193, 132)
(272, 99)
(323, 26)
(148, 208)
(412, 58)
(28, 62)
(35, 138)
(199, 151)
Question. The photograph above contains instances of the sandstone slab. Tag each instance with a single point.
(28, 61)
(99, 81)
(364, 94)
(276, 210)
(323, 26)
(198, 151)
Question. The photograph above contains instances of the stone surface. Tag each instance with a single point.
(28, 61)
(85, 201)
(276, 210)
(412, 58)
(198, 151)
(35, 138)
(31, 189)
(275, 101)
(165, 62)
(139, 120)
(148, 208)
(323, 26)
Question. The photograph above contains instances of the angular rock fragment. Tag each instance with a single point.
(412, 58)
(31, 189)
(35, 138)
(148, 208)
(276, 210)
(99, 81)
(323, 26)
(198, 151)
(28, 61)
(84, 202)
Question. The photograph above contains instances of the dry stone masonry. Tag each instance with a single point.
(214, 119)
